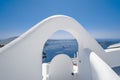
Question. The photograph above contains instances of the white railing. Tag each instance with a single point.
(100, 70)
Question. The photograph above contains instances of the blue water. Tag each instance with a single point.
(54, 47)
(69, 47)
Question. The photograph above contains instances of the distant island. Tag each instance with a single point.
(3, 42)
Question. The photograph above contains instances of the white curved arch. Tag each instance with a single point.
(22, 58)
(60, 22)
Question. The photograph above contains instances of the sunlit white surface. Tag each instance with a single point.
(115, 46)
(100, 70)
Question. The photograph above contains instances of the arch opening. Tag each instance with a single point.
(60, 42)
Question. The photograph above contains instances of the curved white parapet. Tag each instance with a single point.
(114, 46)
(61, 68)
(113, 53)
(100, 70)
(113, 57)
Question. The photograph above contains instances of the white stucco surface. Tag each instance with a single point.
(113, 57)
(61, 68)
(100, 70)
(117, 45)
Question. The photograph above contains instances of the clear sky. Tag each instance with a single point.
(101, 18)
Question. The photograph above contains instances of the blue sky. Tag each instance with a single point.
(101, 18)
